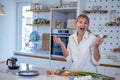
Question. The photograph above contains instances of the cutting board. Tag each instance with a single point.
(45, 41)
(65, 73)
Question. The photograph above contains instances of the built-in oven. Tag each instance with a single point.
(56, 50)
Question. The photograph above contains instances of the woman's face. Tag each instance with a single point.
(82, 25)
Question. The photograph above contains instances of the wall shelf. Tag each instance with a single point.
(91, 11)
(112, 24)
(116, 49)
(40, 25)
(41, 10)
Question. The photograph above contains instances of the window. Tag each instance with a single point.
(23, 31)
(26, 30)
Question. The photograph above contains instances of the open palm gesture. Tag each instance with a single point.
(57, 40)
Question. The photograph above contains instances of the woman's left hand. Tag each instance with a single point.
(99, 40)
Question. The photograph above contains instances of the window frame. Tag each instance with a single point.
(19, 24)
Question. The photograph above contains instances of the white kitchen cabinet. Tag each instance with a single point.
(59, 64)
(43, 63)
(100, 69)
(111, 71)
(108, 71)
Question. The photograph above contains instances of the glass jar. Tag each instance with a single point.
(112, 16)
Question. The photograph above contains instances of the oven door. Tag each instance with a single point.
(56, 48)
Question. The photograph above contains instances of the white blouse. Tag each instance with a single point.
(81, 55)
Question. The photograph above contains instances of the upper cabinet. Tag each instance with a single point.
(63, 18)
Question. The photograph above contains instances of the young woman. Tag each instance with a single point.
(83, 47)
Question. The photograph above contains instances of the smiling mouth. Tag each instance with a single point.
(82, 28)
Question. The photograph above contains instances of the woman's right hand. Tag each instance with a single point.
(57, 40)
(61, 43)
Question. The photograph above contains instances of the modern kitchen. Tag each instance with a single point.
(27, 30)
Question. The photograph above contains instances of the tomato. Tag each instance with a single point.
(74, 74)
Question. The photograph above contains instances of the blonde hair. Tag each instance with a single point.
(82, 16)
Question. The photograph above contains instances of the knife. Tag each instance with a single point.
(61, 71)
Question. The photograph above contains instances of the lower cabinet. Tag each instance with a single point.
(59, 65)
(108, 71)
(112, 71)
(100, 69)
(43, 63)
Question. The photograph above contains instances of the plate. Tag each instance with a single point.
(28, 73)
(34, 36)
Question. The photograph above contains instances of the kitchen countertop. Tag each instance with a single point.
(8, 74)
(34, 53)
(37, 53)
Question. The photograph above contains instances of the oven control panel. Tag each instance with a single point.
(56, 31)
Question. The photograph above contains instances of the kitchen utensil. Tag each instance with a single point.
(61, 71)
(28, 73)
(12, 63)
(45, 41)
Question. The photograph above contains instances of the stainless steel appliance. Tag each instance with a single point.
(64, 34)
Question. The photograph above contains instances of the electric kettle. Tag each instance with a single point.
(12, 63)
